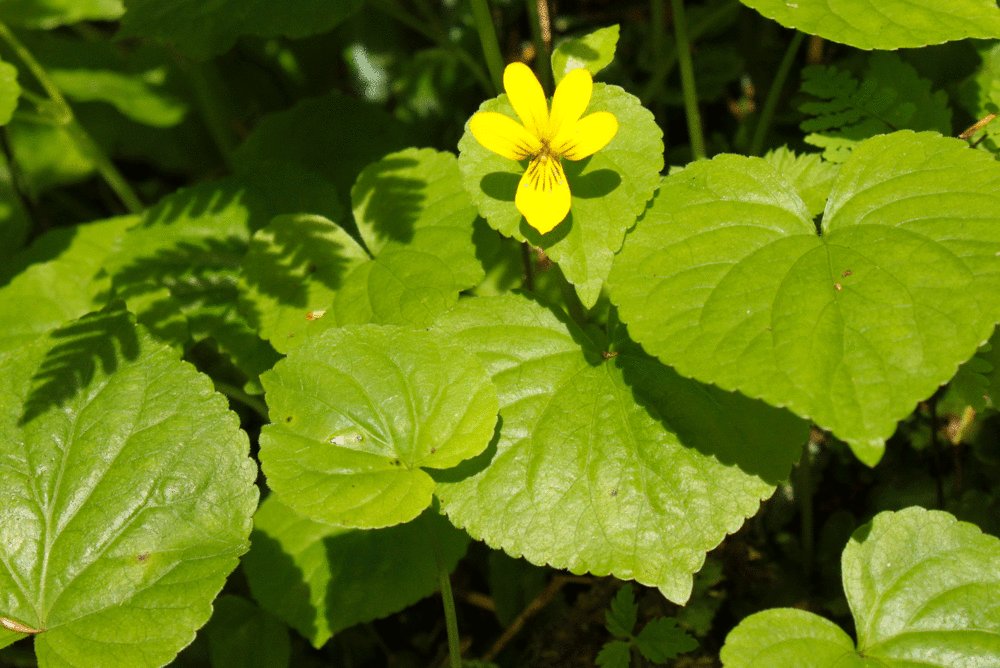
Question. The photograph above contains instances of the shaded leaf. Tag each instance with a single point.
(359, 412)
(240, 634)
(322, 579)
(661, 640)
(622, 614)
(614, 654)
(201, 30)
(48, 14)
(10, 91)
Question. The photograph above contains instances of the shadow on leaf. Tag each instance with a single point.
(96, 342)
(393, 203)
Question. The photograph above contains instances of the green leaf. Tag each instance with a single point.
(612, 465)
(48, 14)
(887, 24)
(359, 412)
(291, 275)
(57, 279)
(660, 640)
(46, 155)
(980, 96)
(240, 634)
(614, 654)
(789, 638)
(921, 588)
(127, 491)
(10, 91)
(810, 175)
(178, 271)
(726, 280)
(322, 579)
(303, 274)
(334, 136)
(891, 96)
(622, 614)
(591, 52)
(609, 190)
(201, 30)
(920, 584)
(15, 225)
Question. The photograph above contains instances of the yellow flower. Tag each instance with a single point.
(543, 194)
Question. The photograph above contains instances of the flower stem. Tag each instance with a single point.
(488, 38)
(804, 495)
(235, 393)
(687, 81)
(538, 14)
(59, 110)
(450, 617)
(767, 112)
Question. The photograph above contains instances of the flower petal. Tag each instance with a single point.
(543, 194)
(587, 136)
(503, 135)
(527, 98)
(571, 99)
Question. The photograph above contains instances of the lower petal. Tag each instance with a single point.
(543, 194)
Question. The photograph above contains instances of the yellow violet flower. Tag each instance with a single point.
(546, 137)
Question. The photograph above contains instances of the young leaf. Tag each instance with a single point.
(621, 617)
(613, 465)
(887, 24)
(56, 280)
(357, 414)
(240, 634)
(891, 96)
(920, 585)
(127, 491)
(661, 640)
(726, 279)
(614, 654)
(10, 91)
(592, 52)
(810, 175)
(609, 189)
(201, 30)
(322, 579)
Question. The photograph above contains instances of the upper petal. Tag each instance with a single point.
(527, 98)
(587, 136)
(571, 99)
(543, 194)
(503, 135)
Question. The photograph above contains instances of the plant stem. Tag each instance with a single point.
(62, 114)
(687, 81)
(210, 108)
(239, 395)
(488, 38)
(529, 270)
(538, 14)
(771, 103)
(450, 618)
(666, 63)
(804, 495)
(657, 17)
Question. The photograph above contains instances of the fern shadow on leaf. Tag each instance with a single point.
(94, 343)
(392, 203)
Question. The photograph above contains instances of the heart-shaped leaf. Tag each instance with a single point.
(126, 493)
(922, 588)
(886, 24)
(607, 461)
(727, 280)
(609, 189)
(357, 414)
